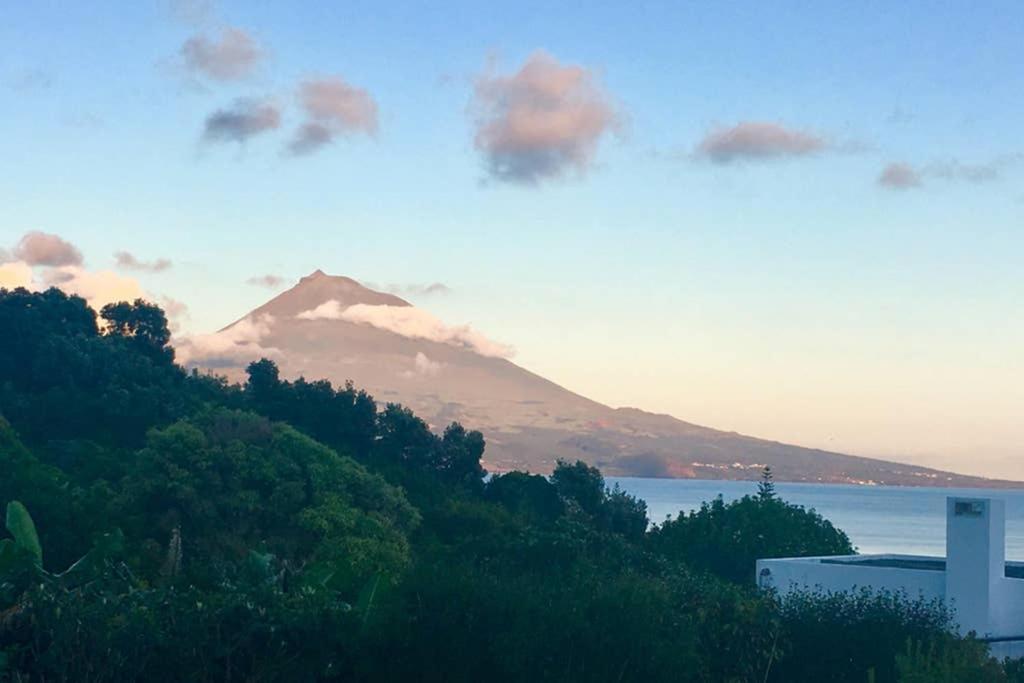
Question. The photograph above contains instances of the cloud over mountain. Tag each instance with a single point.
(232, 347)
(422, 366)
(757, 140)
(245, 119)
(542, 121)
(333, 107)
(232, 56)
(46, 249)
(409, 321)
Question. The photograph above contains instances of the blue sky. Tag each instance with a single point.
(793, 297)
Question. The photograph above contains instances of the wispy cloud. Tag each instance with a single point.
(899, 176)
(128, 261)
(192, 12)
(333, 108)
(46, 249)
(232, 56)
(412, 289)
(757, 141)
(176, 311)
(903, 176)
(408, 321)
(269, 281)
(245, 119)
(542, 121)
(972, 173)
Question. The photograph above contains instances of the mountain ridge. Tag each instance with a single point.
(400, 353)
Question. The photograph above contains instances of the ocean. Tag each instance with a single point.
(878, 519)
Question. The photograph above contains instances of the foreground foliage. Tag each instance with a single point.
(168, 526)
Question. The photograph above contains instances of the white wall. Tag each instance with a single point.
(1008, 608)
(809, 573)
(974, 583)
(975, 560)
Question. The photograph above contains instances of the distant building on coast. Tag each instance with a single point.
(974, 579)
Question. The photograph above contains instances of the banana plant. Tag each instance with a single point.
(25, 544)
(21, 559)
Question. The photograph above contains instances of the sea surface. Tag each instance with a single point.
(878, 519)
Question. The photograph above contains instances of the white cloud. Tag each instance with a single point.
(408, 321)
(328, 310)
(99, 288)
(244, 119)
(757, 140)
(231, 57)
(422, 366)
(542, 121)
(233, 347)
(333, 107)
(16, 274)
(47, 260)
(45, 249)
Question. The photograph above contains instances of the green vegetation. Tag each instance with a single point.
(168, 526)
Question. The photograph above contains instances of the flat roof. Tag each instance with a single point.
(1013, 570)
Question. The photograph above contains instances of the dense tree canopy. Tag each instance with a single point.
(170, 526)
(727, 538)
(229, 482)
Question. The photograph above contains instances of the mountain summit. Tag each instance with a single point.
(336, 328)
(317, 288)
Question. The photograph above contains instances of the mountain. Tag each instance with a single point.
(335, 328)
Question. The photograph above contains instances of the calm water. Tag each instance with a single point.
(878, 519)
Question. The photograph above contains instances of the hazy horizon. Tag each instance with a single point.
(813, 238)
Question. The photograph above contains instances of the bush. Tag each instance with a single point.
(727, 539)
(843, 636)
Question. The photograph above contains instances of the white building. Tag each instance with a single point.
(974, 579)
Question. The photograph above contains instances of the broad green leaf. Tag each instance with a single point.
(21, 526)
(8, 556)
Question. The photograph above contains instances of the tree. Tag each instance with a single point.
(530, 495)
(460, 456)
(580, 484)
(766, 487)
(264, 388)
(625, 514)
(141, 322)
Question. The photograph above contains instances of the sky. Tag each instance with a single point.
(800, 221)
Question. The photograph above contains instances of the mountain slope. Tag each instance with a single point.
(333, 327)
